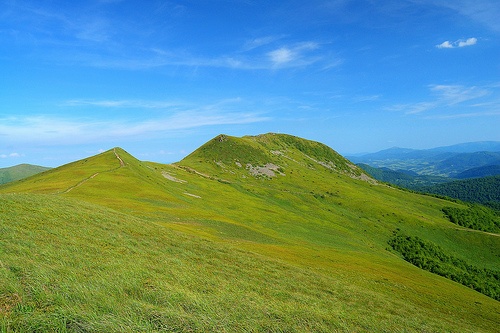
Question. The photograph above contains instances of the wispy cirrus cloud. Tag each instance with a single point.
(126, 103)
(453, 98)
(458, 43)
(465, 115)
(294, 55)
(60, 130)
(53, 25)
(10, 155)
(77, 35)
(72, 129)
(281, 56)
(261, 54)
(454, 94)
(257, 42)
(485, 12)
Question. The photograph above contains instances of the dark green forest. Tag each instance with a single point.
(403, 178)
(432, 258)
(475, 217)
(485, 190)
(484, 171)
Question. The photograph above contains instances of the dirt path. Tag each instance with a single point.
(122, 164)
(81, 182)
(480, 231)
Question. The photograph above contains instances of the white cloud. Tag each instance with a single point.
(294, 55)
(250, 57)
(449, 97)
(281, 56)
(455, 94)
(467, 42)
(485, 12)
(419, 107)
(259, 42)
(466, 115)
(445, 45)
(141, 104)
(367, 98)
(76, 130)
(10, 155)
(91, 35)
(458, 43)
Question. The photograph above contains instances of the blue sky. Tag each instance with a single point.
(160, 78)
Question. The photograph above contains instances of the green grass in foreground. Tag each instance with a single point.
(104, 274)
(303, 252)
(88, 269)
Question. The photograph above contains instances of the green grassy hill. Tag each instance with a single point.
(271, 233)
(19, 172)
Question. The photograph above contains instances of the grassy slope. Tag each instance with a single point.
(302, 252)
(99, 270)
(19, 172)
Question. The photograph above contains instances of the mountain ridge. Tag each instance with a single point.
(465, 147)
(447, 161)
(227, 247)
(262, 155)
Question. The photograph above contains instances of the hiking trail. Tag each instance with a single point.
(122, 164)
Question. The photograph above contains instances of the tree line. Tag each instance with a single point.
(485, 190)
(432, 258)
(475, 217)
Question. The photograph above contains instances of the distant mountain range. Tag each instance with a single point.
(403, 178)
(468, 172)
(19, 172)
(467, 160)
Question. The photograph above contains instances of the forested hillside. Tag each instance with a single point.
(485, 171)
(480, 190)
(407, 179)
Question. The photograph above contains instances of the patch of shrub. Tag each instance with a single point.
(432, 258)
(475, 217)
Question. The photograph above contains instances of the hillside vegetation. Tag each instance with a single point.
(485, 171)
(485, 190)
(269, 233)
(432, 258)
(476, 217)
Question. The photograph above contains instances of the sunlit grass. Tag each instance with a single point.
(98, 270)
(130, 250)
